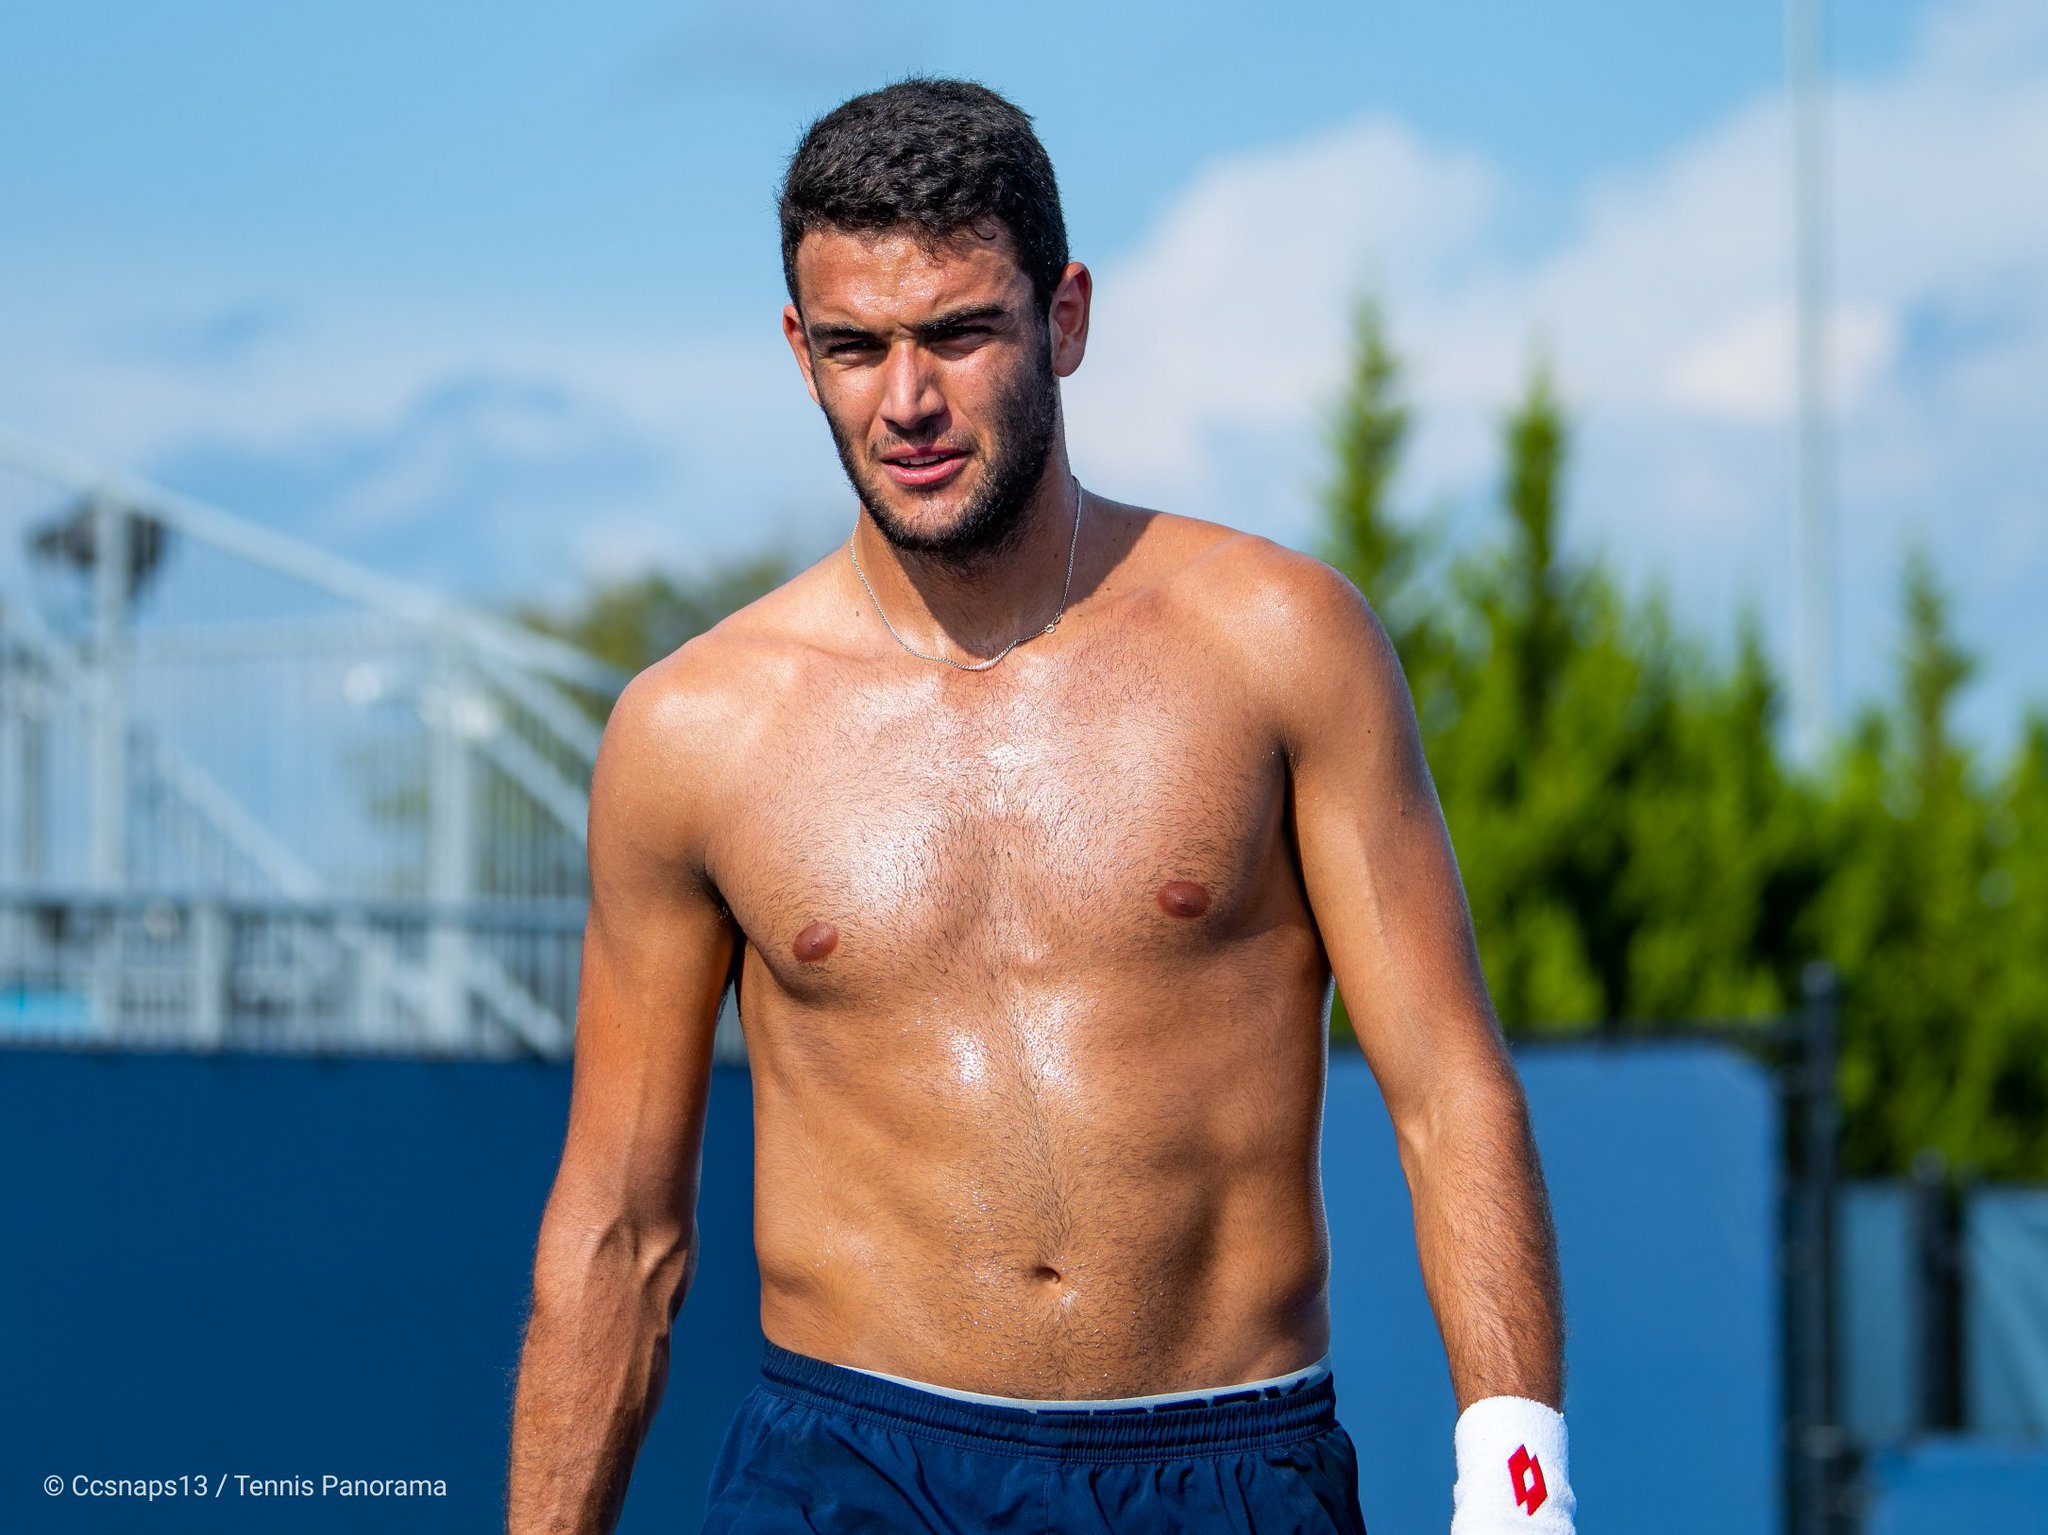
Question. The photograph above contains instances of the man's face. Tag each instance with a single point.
(938, 376)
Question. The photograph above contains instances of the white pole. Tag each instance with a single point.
(110, 694)
(209, 939)
(1813, 692)
(451, 851)
(109, 788)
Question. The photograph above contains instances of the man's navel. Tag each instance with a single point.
(1183, 898)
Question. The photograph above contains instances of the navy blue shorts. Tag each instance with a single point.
(816, 1447)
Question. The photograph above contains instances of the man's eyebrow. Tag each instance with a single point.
(819, 332)
(959, 319)
(938, 327)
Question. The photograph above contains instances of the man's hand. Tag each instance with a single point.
(618, 1243)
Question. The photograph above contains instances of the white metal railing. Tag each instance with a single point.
(159, 970)
(203, 971)
(221, 744)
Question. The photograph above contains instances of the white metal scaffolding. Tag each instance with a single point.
(254, 795)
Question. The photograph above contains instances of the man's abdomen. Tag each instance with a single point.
(1051, 1197)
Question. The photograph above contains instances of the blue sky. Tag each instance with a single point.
(487, 297)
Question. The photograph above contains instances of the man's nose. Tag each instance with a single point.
(911, 398)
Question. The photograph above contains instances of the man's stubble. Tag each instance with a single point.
(1025, 424)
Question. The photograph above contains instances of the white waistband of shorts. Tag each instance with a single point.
(1306, 1373)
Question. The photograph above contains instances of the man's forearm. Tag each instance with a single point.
(590, 1378)
(1488, 1251)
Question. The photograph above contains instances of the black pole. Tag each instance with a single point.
(1795, 1253)
(1813, 1433)
(1936, 1282)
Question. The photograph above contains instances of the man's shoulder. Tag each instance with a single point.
(1300, 642)
(1252, 588)
(705, 692)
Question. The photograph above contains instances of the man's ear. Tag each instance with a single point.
(1067, 318)
(800, 345)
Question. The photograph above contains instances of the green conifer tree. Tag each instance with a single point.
(1632, 845)
(1912, 918)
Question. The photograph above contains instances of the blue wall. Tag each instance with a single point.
(1948, 1486)
(1661, 1162)
(286, 1268)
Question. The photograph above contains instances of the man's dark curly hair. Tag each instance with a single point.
(938, 157)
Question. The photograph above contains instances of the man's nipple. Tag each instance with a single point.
(815, 942)
(1183, 898)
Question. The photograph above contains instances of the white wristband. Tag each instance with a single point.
(1513, 1470)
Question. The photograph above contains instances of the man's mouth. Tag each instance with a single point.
(921, 469)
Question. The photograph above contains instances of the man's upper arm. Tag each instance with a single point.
(656, 949)
(1375, 856)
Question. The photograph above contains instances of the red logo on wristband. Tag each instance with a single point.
(1526, 1472)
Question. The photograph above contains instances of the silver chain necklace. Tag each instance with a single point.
(978, 666)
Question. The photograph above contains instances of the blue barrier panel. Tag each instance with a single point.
(2005, 1311)
(1661, 1161)
(284, 1268)
(1947, 1486)
(1880, 1357)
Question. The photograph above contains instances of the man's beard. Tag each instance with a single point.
(1026, 422)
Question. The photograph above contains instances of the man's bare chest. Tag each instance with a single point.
(943, 839)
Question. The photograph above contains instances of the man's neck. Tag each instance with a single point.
(969, 607)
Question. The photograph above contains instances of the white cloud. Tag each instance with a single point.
(1667, 312)
(1220, 339)
(1234, 313)
(405, 439)
(1745, 370)
(1672, 294)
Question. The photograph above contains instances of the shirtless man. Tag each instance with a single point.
(1031, 827)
